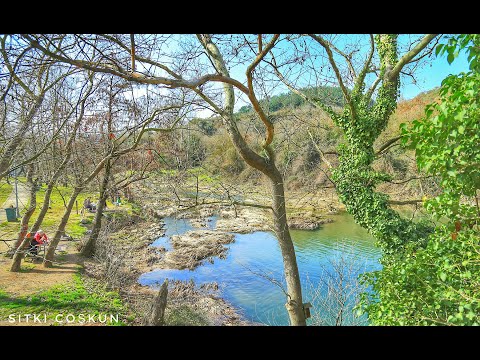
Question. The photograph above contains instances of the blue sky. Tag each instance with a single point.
(432, 75)
(427, 77)
(434, 70)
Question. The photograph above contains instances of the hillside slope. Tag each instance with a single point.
(301, 134)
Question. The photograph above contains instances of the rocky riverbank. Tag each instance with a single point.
(242, 219)
(131, 255)
(207, 242)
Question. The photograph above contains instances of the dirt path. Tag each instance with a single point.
(23, 194)
(35, 277)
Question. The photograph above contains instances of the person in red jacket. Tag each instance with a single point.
(40, 238)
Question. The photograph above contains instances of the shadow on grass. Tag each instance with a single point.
(56, 270)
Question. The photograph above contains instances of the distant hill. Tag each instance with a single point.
(409, 110)
(299, 159)
(328, 94)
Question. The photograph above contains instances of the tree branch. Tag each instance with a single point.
(322, 155)
(404, 202)
(325, 45)
(251, 157)
(347, 58)
(132, 44)
(312, 101)
(137, 77)
(366, 66)
(410, 179)
(251, 93)
(408, 57)
(387, 144)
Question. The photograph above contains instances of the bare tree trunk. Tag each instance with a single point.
(44, 209)
(22, 241)
(89, 247)
(47, 262)
(267, 166)
(26, 217)
(294, 303)
(159, 305)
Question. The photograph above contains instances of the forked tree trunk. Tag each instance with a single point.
(47, 262)
(294, 303)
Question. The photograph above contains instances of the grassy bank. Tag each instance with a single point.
(80, 297)
(58, 202)
(5, 191)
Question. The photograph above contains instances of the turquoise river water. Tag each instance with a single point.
(243, 277)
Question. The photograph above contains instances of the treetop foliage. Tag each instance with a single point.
(329, 95)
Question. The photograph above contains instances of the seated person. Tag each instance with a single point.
(40, 238)
(87, 204)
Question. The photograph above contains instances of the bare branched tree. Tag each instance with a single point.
(336, 293)
(114, 54)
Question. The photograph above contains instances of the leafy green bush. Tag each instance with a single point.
(440, 284)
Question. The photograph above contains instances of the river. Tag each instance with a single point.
(250, 275)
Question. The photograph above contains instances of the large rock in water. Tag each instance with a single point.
(245, 220)
(198, 222)
(193, 247)
(307, 222)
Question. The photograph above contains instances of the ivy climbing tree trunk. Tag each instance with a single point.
(355, 178)
(362, 122)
